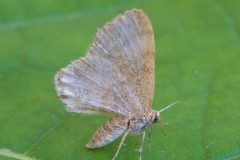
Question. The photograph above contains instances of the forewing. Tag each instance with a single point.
(117, 74)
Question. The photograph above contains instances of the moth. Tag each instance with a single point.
(116, 76)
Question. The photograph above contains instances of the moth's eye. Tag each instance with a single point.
(155, 119)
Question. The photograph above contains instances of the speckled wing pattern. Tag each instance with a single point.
(117, 74)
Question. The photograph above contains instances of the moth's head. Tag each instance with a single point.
(156, 118)
(156, 115)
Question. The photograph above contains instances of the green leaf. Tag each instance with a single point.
(197, 61)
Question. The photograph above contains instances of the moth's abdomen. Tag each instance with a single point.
(111, 130)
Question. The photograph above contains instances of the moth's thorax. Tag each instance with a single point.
(139, 124)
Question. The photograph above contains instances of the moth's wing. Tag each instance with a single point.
(127, 42)
(111, 130)
(84, 90)
(117, 74)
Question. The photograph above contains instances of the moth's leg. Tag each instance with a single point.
(140, 149)
(121, 143)
(149, 138)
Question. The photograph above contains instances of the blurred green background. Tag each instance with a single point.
(197, 61)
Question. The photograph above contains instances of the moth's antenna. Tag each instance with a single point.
(169, 106)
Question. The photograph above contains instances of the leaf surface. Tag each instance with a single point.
(197, 61)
